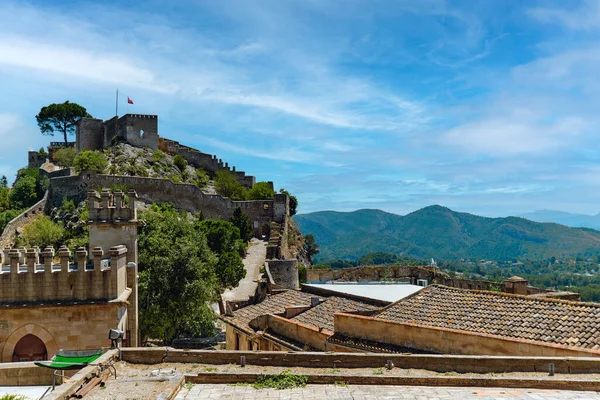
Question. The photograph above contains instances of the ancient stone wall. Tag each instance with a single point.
(187, 197)
(284, 273)
(89, 134)
(10, 230)
(208, 162)
(24, 279)
(73, 326)
(35, 159)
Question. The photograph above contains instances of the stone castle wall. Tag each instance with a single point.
(188, 197)
(141, 130)
(208, 162)
(23, 279)
(10, 230)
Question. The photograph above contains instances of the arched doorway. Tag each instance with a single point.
(30, 348)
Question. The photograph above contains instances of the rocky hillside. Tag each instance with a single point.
(439, 232)
(125, 159)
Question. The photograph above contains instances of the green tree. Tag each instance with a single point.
(90, 160)
(60, 118)
(227, 185)
(311, 247)
(177, 276)
(65, 157)
(221, 235)
(4, 199)
(293, 201)
(230, 269)
(241, 221)
(260, 191)
(23, 193)
(43, 232)
(7, 216)
(3, 182)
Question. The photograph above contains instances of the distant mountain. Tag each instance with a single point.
(439, 232)
(564, 218)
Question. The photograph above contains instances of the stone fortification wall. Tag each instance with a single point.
(10, 230)
(35, 159)
(187, 197)
(284, 273)
(208, 162)
(89, 134)
(371, 273)
(23, 279)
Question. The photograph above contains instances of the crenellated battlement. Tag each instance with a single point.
(108, 207)
(35, 275)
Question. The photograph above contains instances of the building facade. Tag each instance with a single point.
(70, 299)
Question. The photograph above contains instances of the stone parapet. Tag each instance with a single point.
(34, 275)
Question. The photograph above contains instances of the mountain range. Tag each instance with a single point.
(564, 218)
(439, 232)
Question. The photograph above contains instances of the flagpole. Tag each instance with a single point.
(117, 114)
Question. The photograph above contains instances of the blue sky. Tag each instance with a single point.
(488, 107)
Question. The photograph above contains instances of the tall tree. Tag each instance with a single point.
(293, 201)
(311, 247)
(60, 118)
(240, 220)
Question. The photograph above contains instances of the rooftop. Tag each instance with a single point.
(381, 291)
(562, 322)
(320, 316)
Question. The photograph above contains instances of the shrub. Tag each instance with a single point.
(241, 221)
(158, 156)
(90, 160)
(180, 162)
(284, 380)
(68, 206)
(260, 191)
(43, 232)
(6, 217)
(65, 157)
(42, 152)
(227, 185)
(202, 178)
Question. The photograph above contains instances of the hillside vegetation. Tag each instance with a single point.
(439, 232)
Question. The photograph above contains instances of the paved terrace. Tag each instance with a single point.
(363, 392)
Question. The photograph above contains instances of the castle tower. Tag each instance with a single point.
(112, 222)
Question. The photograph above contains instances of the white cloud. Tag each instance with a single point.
(586, 15)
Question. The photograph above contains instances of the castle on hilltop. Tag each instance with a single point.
(70, 299)
(141, 130)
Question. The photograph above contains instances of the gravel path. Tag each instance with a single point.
(254, 260)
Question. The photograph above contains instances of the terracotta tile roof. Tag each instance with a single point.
(274, 304)
(545, 320)
(321, 316)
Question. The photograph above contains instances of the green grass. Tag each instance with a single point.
(284, 380)
(210, 369)
(378, 371)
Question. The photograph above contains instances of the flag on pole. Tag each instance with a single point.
(129, 101)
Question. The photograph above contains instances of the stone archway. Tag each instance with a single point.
(30, 348)
(29, 329)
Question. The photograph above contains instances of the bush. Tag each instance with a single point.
(65, 157)
(260, 191)
(284, 380)
(158, 156)
(68, 206)
(227, 185)
(90, 160)
(43, 232)
(180, 162)
(42, 152)
(293, 201)
(201, 179)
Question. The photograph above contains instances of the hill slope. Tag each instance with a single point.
(439, 232)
